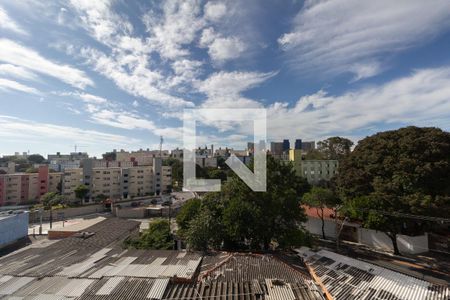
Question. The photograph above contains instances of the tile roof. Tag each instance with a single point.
(347, 278)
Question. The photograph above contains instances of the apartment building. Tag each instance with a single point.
(26, 188)
(141, 157)
(8, 167)
(118, 182)
(313, 170)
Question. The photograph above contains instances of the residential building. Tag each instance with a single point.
(298, 144)
(26, 188)
(141, 157)
(206, 162)
(8, 167)
(313, 170)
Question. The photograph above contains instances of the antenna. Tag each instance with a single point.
(160, 146)
(77, 146)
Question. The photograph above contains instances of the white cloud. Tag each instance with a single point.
(101, 21)
(221, 49)
(11, 85)
(13, 53)
(7, 23)
(135, 103)
(215, 11)
(16, 72)
(16, 128)
(332, 36)
(421, 99)
(176, 28)
(140, 81)
(366, 70)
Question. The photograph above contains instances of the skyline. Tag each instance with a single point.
(113, 75)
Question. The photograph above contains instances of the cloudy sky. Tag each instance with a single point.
(118, 74)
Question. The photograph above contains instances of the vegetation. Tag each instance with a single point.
(110, 156)
(81, 192)
(51, 199)
(36, 158)
(321, 198)
(401, 171)
(335, 147)
(157, 236)
(238, 218)
(100, 198)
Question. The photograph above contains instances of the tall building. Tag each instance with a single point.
(298, 144)
(286, 145)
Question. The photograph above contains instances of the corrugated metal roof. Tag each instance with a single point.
(75, 288)
(109, 286)
(346, 277)
(158, 289)
(12, 285)
(279, 290)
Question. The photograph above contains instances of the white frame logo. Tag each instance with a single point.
(256, 180)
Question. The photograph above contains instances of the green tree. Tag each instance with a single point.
(400, 171)
(217, 174)
(188, 212)
(31, 170)
(81, 192)
(36, 158)
(157, 236)
(51, 199)
(100, 198)
(335, 147)
(177, 171)
(240, 218)
(110, 156)
(321, 198)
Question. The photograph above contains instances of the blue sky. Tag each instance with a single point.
(117, 74)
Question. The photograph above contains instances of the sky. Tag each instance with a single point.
(119, 74)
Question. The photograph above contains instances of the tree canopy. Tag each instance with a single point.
(400, 171)
(321, 198)
(157, 236)
(36, 158)
(81, 191)
(51, 199)
(238, 218)
(335, 147)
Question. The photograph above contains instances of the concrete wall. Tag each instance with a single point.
(13, 227)
(67, 212)
(406, 244)
(314, 226)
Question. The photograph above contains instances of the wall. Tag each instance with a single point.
(68, 212)
(13, 227)
(406, 244)
(314, 226)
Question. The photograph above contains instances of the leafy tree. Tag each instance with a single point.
(314, 154)
(110, 156)
(2, 172)
(81, 192)
(177, 170)
(335, 147)
(188, 212)
(157, 236)
(36, 158)
(100, 198)
(321, 198)
(51, 199)
(31, 170)
(217, 174)
(240, 218)
(400, 171)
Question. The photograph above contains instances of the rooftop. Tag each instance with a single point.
(97, 267)
(347, 278)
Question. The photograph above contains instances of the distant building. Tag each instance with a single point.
(308, 146)
(276, 148)
(286, 145)
(118, 182)
(8, 167)
(313, 170)
(298, 144)
(27, 188)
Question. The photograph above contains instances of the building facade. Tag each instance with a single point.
(313, 170)
(27, 188)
